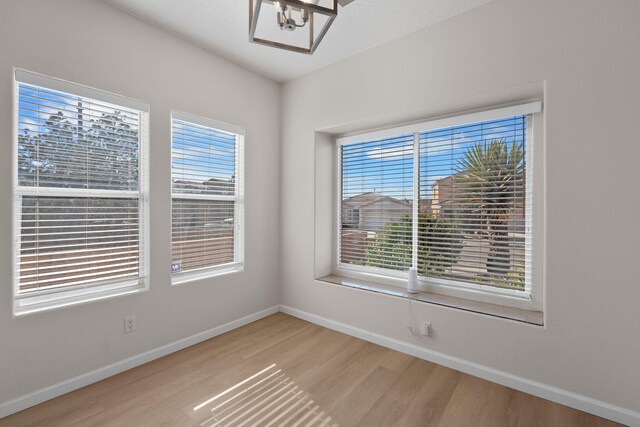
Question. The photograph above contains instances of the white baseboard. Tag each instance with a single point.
(39, 396)
(567, 398)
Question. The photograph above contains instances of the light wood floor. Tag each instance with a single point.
(285, 371)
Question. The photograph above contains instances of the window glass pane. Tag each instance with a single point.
(202, 233)
(376, 203)
(473, 204)
(203, 160)
(68, 242)
(67, 141)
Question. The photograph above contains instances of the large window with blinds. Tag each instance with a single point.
(79, 194)
(451, 198)
(207, 199)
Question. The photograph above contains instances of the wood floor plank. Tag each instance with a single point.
(397, 362)
(335, 385)
(429, 404)
(353, 406)
(390, 407)
(283, 371)
(476, 402)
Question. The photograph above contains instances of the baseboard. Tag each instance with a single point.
(573, 400)
(42, 395)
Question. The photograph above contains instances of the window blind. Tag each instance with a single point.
(450, 200)
(473, 180)
(376, 203)
(206, 201)
(78, 192)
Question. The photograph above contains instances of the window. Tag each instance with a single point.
(451, 198)
(79, 188)
(207, 200)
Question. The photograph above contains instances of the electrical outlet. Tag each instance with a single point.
(129, 324)
(426, 329)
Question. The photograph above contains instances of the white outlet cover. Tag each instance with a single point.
(426, 329)
(129, 324)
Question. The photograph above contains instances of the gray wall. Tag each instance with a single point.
(582, 55)
(90, 43)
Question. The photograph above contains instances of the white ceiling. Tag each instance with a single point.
(221, 27)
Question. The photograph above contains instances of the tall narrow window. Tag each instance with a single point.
(451, 198)
(207, 202)
(79, 194)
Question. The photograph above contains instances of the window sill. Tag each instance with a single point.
(495, 310)
(206, 273)
(39, 304)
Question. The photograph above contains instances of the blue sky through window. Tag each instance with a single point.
(201, 153)
(71, 141)
(36, 105)
(385, 166)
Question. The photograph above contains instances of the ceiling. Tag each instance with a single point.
(221, 27)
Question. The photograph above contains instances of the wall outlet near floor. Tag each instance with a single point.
(129, 324)
(425, 329)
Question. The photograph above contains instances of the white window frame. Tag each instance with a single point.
(238, 223)
(52, 299)
(529, 299)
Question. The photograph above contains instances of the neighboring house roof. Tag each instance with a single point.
(218, 181)
(220, 186)
(369, 198)
(184, 184)
(362, 198)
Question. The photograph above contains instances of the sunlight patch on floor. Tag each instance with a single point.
(266, 398)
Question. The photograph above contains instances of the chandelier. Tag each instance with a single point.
(312, 18)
